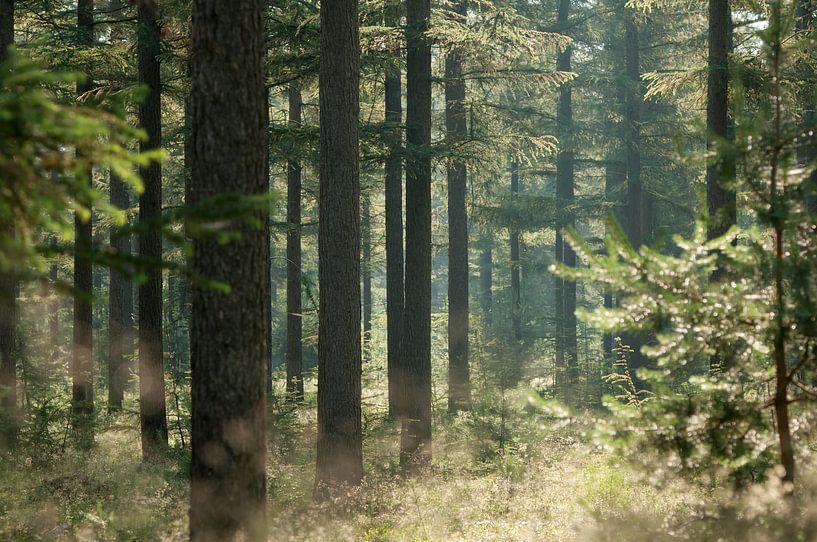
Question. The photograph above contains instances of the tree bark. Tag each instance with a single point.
(567, 359)
(512, 374)
(721, 201)
(152, 408)
(340, 455)
(8, 289)
(120, 301)
(395, 272)
(82, 396)
(295, 383)
(415, 440)
(459, 380)
(229, 335)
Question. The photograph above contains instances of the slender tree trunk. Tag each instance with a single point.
(636, 197)
(82, 397)
(366, 271)
(295, 383)
(152, 408)
(459, 380)
(516, 279)
(340, 455)
(54, 313)
(415, 440)
(8, 290)
(566, 298)
(721, 201)
(120, 292)
(513, 373)
(229, 335)
(615, 179)
(120, 301)
(394, 229)
(486, 279)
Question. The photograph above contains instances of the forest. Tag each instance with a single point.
(408, 270)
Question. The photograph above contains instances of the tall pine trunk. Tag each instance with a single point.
(567, 357)
(82, 396)
(395, 272)
(120, 303)
(721, 201)
(152, 408)
(8, 289)
(229, 334)
(459, 381)
(340, 454)
(415, 439)
(295, 383)
(615, 179)
(513, 372)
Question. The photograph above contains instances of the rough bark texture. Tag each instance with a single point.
(82, 396)
(721, 201)
(567, 347)
(295, 383)
(366, 272)
(339, 352)
(395, 272)
(229, 336)
(415, 441)
(459, 381)
(8, 290)
(152, 408)
(120, 302)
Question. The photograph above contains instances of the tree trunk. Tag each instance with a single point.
(615, 179)
(82, 397)
(295, 383)
(415, 440)
(513, 373)
(566, 289)
(394, 229)
(229, 336)
(366, 271)
(8, 289)
(152, 409)
(721, 201)
(120, 301)
(637, 229)
(459, 381)
(340, 454)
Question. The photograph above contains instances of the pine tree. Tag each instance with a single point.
(340, 453)
(229, 336)
(82, 399)
(8, 287)
(295, 384)
(395, 272)
(152, 408)
(459, 385)
(415, 440)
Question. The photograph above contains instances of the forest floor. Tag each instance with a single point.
(497, 475)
